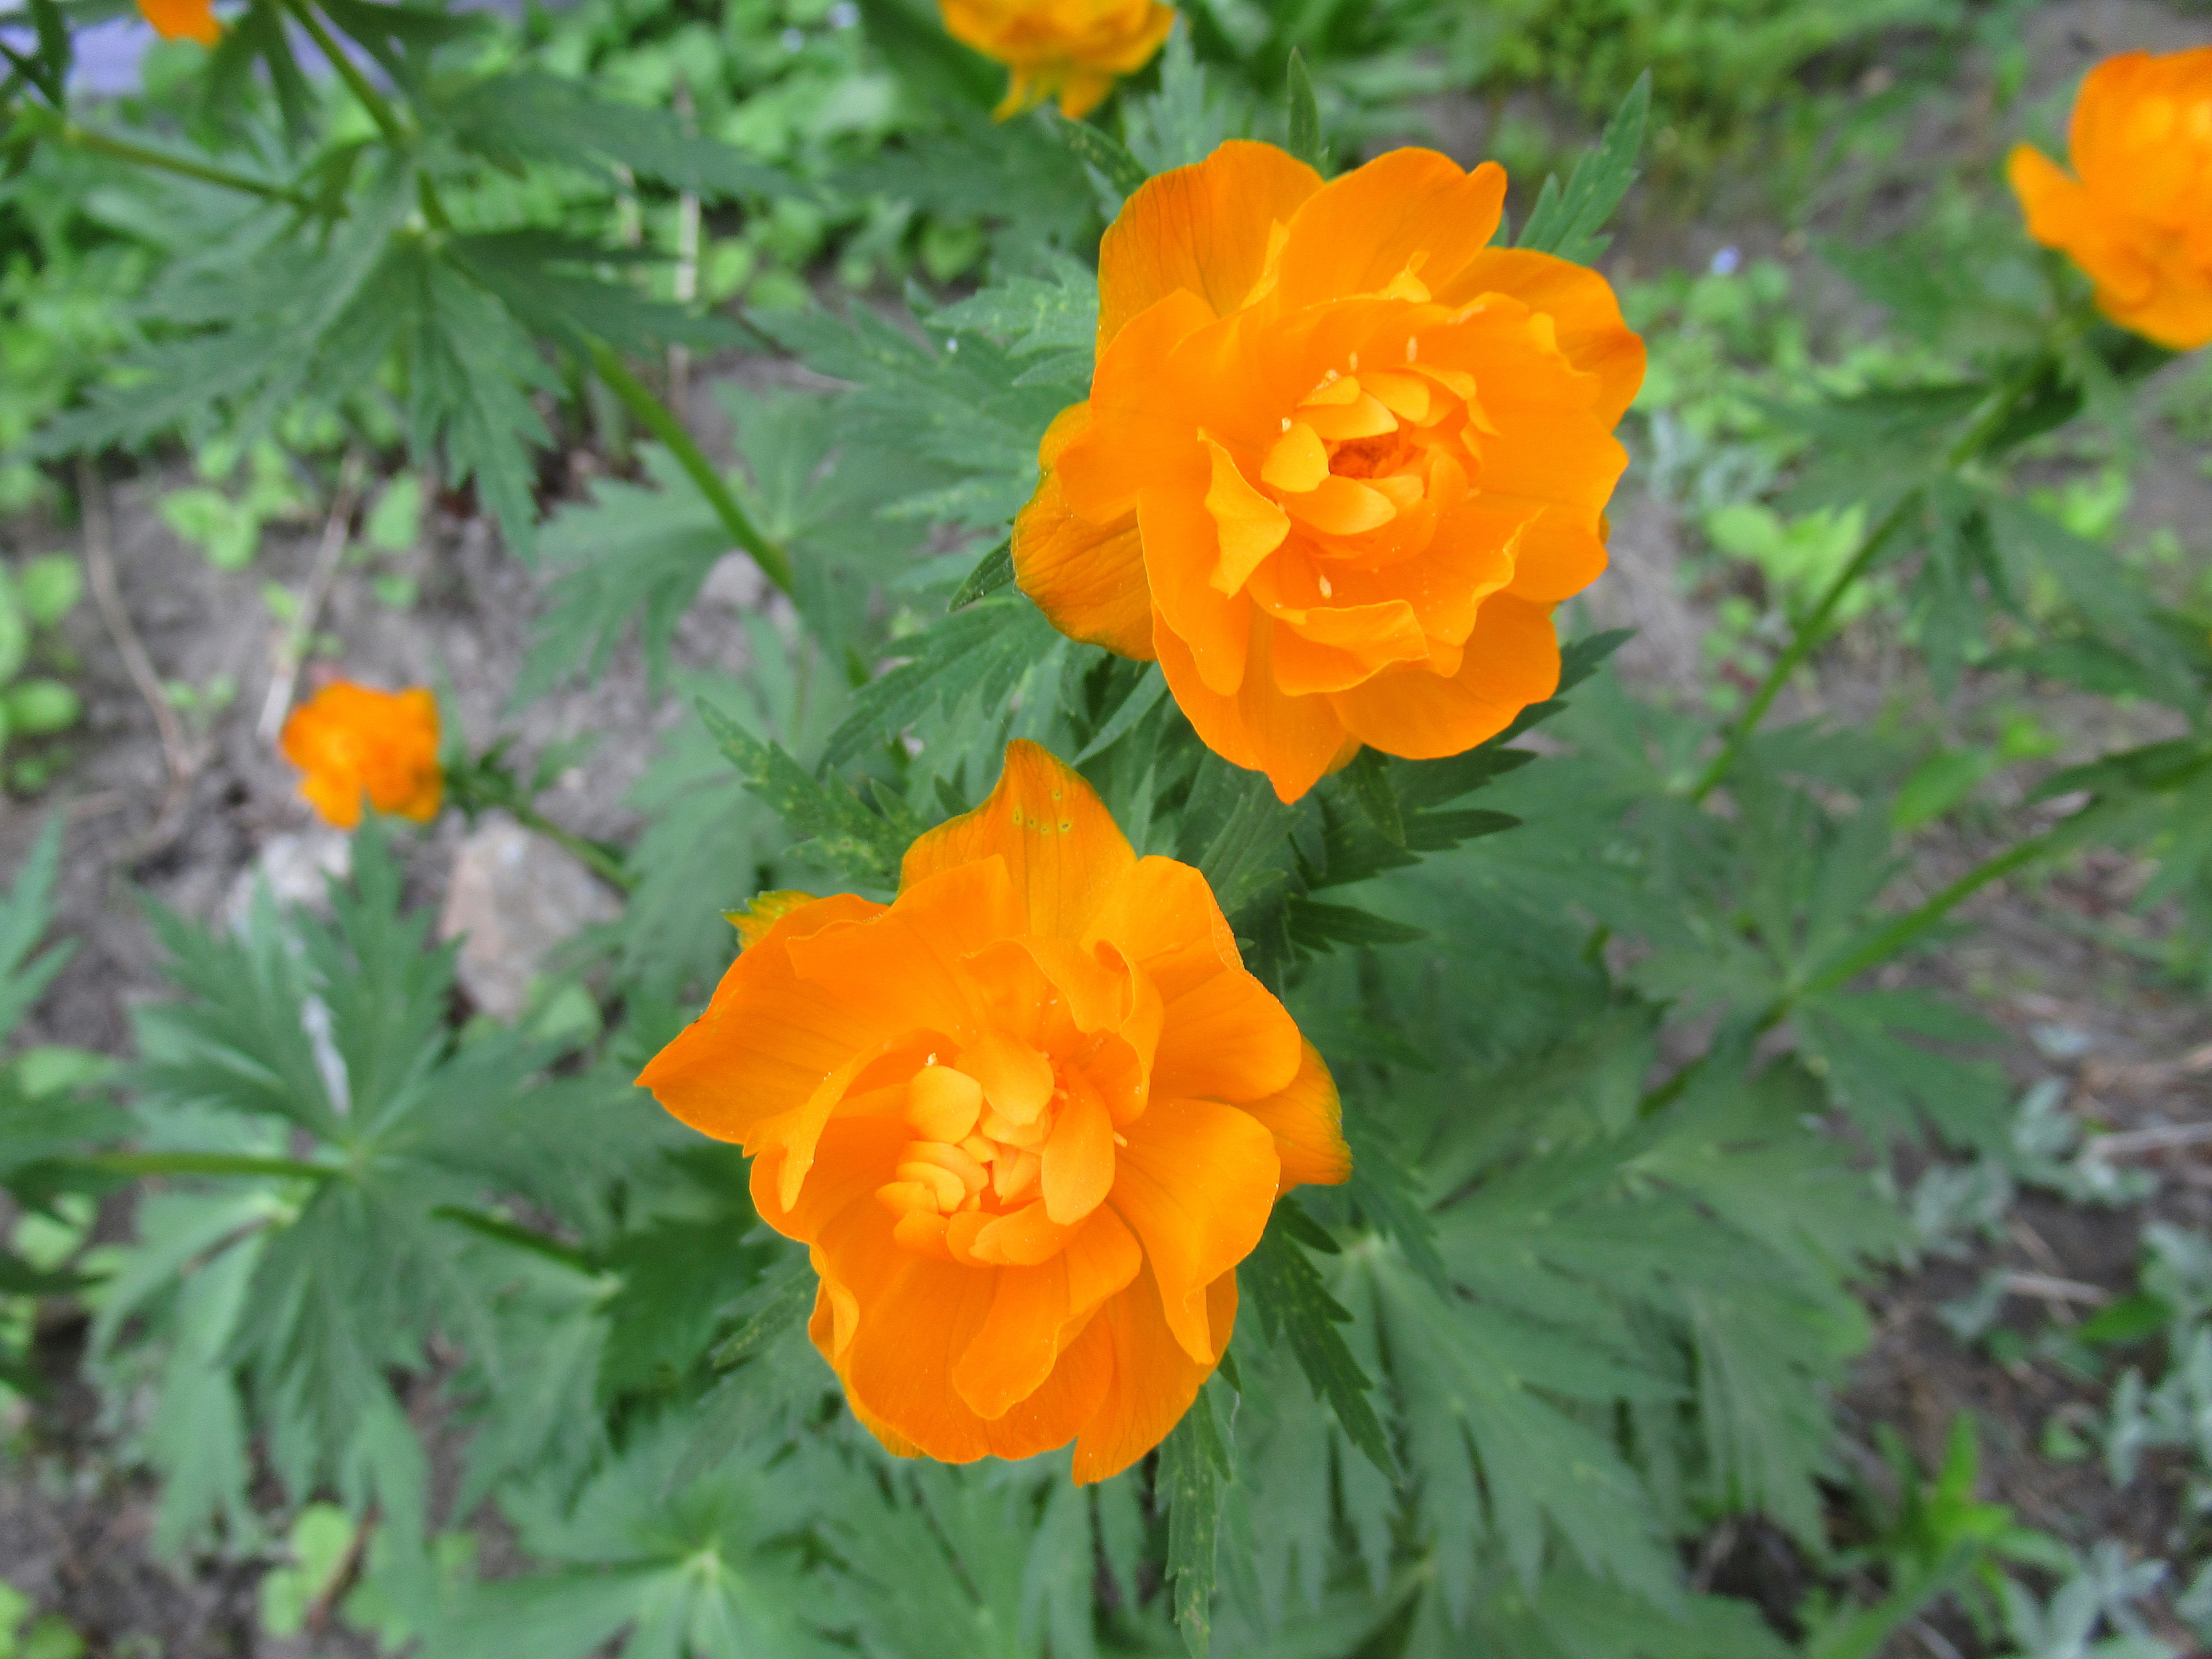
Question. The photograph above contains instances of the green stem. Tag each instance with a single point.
(504, 1231)
(387, 119)
(341, 61)
(605, 863)
(1912, 924)
(1806, 636)
(657, 418)
(120, 149)
(207, 1164)
(1804, 639)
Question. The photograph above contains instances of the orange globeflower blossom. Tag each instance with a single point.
(2138, 218)
(352, 740)
(1027, 1118)
(1339, 460)
(182, 19)
(1071, 49)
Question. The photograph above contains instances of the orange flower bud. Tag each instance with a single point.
(182, 19)
(1027, 1119)
(2135, 213)
(1341, 458)
(351, 741)
(1073, 50)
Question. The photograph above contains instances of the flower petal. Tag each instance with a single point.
(1512, 660)
(1307, 1120)
(1062, 848)
(1407, 209)
(767, 1040)
(1089, 579)
(1196, 1183)
(1154, 1380)
(1036, 1312)
(1582, 306)
(1206, 229)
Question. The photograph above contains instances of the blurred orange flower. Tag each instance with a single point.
(2135, 213)
(352, 740)
(182, 19)
(1073, 50)
(1339, 460)
(1027, 1118)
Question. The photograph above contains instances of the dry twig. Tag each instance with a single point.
(183, 758)
(291, 644)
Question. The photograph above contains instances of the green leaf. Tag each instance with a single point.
(993, 571)
(1318, 926)
(1306, 140)
(1569, 224)
(1195, 1467)
(833, 824)
(1095, 147)
(530, 119)
(24, 915)
(1292, 1300)
(978, 653)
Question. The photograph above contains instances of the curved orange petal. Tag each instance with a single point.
(1582, 306)
(1512, 660)
(914, 1317)
(1037, 1312)
(1294, 740)
(766, 1042)
(1206, 229)
(1196, 1183)
(1154, 1380)
(1088, 579)
(1226, 1036)
(1409, 211)
(1307, 1120)
(1062, 847)
(1182, 548)
(1162, 917)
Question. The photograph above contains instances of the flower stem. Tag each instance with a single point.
(387, 119)
(100, 143)
(341, 61)
(1912, 924)
(603, 861)
(1812, 629)
(657, 418)
(207, 1164)
(1805, 638)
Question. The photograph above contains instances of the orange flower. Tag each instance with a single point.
(1071, 49)
(182, 19)
(2138, 219)
(352, 741)
(1339, 460)
(1027, 1119)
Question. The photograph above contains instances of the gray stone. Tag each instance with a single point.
(513, 898)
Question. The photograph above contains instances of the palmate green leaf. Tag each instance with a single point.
(982, 652)
(836, 827)
(684, 1559)
(1495, 1456)
(338, 1029)
(974, 1558)
(631, 554)
(1294, 1305)
(679, 1276)
(1053, 312)
(262, 316)
(526, 119)
(26, 913)
(951, 400)
(1569, 223)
